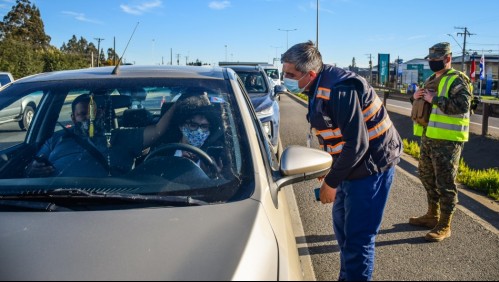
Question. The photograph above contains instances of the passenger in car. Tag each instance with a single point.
(251, 84)
(80, 151)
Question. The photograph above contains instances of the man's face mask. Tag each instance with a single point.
(196, 137)
(293, 86)
(436, 66)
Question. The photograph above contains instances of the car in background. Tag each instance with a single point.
(273, 73)
(5, 78)
(22, 110)
(264, 97)
(166, 218)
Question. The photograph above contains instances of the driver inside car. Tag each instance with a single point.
(84, 150)
(195, 123)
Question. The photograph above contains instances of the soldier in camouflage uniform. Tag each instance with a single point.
(450, 93)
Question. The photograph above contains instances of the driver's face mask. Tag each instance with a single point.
(196, 137)
(82, 127)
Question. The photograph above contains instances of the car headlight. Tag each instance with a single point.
(267, 127)
(265, 112)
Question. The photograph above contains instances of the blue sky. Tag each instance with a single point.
(248, 30)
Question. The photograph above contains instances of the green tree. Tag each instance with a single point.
(112, 57)
(79, 50)
(24, 23)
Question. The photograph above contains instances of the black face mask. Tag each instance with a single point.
(436, 65)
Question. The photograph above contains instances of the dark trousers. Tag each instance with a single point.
(357, 214)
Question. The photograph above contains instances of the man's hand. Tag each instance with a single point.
(418, 94)
(327, 194)
(428, 96)
(39, 169)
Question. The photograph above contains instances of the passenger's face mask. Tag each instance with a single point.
(292, 85)
(436, 66)
(195, 138)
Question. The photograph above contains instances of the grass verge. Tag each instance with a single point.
(486, 181)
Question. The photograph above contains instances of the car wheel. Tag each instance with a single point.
(28, 114)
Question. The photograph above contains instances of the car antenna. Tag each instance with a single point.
(116, 68)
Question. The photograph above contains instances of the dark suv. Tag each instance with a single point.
(264, 97)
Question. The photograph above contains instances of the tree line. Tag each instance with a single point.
(25, 47)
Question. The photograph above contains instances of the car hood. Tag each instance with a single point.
(261, 103)
(217, 242)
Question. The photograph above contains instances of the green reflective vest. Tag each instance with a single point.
(443, 126)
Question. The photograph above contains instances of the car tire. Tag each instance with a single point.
(28, 115)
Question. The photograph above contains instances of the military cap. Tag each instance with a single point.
(439, 50)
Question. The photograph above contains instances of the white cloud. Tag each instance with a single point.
(80, 17)
(219, 5)
(141, 8)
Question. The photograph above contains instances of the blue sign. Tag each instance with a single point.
(383, 68)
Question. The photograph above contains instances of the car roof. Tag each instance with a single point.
(244, 68)
(129, 71)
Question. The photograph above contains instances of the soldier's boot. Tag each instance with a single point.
(442, 230)
(430, 219)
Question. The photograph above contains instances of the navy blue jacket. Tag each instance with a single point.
(351, 123)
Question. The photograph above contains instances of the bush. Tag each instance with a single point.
(486, 181)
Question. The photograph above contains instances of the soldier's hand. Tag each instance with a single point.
(418, 94)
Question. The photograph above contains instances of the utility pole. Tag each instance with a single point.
(370, 69)
(114, 51)
(317, 28)
(178, 59)
(287, 32)
(464, 34)
(98, 50)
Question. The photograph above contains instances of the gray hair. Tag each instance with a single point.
(305, 56)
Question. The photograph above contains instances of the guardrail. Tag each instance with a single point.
(489, 107)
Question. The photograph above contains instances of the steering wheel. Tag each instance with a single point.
(203, 156)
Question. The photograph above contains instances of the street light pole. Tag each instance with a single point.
(317, 28)
(226, 53)
(287, 32)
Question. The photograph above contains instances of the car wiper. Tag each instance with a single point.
(81, 194)
(30, 206)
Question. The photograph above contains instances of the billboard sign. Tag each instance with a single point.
(383, 68)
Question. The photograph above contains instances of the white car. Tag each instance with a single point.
(166, 218)
(273, 73)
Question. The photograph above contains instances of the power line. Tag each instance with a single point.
(98, 49)
(464, 34)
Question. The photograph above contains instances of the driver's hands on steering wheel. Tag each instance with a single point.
(195, 158)
(218, 164)
(189, 155)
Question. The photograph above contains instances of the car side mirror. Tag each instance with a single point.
(278, 89)
(299, 164)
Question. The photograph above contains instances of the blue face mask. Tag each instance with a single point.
(292, 85)
(195, 137)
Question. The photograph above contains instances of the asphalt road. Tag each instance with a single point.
(472, 253)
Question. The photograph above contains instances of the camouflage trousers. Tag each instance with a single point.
(438, 166)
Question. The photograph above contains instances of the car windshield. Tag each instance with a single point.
(254, 82)
(199, 155)
(272, 73)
